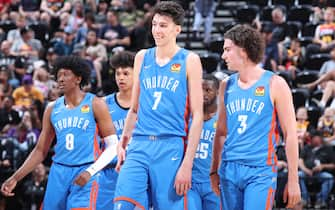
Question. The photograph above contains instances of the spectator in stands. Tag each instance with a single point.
(6, 58)
(34, 188)
(50, 58)
(42, 81)
(134, 20)
(303, 126)
(113, 34)
(293, 59)
(15, 34)
(316, 164)
(280, 28)
(30, 9)
(27, 46)
(55, 9)
(203, 12)
(101, 14)
(4, 7)
(77, 16)
(26, 94)
(271, 57)
(8, 115)
(97, 53)
(324, 37)
(5, 85)
(326, 125)
(65, 43)
(89, 24)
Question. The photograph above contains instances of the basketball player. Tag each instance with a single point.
(167, 88)
(118, 105)
(250, 103)
(201, 191)
(74, 120)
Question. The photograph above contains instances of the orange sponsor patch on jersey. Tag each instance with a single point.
(85, 109)
(214, 124)
(260, 91)
(175, 67)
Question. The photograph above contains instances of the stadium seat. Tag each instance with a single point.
(304, 41)
(7, 25)
(305, 77)
(246, 14)
(300, 13)
(314, 113)
(216, 45)
(287, 3)
(260, 3)
(300, 97)
(308, 29)
(209, 62)
(294, 28)
(315, 61)
(265, 14)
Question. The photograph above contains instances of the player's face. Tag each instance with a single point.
(67, 80)
(232, 55)
(124, 78)
(209, 91)
(164, 30)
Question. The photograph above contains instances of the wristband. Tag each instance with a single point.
(213, 172)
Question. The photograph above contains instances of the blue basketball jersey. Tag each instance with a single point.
(252, 130)
(203, 156)
(163, 100)
(117, 112)
(76, 132)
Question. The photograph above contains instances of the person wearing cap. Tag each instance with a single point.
(25, 95)
(271, 55)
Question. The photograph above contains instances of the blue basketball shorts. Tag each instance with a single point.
(247, 187)
(107, 183)
(61, 192)
(150, 168)
(202, 197)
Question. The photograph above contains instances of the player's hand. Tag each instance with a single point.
(215, 183)
(182, 182)
(292, 194)
(121, 156)
(8, 186)
(82, 178)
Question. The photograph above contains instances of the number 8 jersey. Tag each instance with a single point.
(163, 101)
(76, 132)
(251, 123)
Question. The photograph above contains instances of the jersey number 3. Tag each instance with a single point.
(243, 123)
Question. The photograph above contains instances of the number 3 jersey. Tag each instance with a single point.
(252, 131)
(76, 132)
(203, 156)
(163, 100)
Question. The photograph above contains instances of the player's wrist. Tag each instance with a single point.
(213, 173)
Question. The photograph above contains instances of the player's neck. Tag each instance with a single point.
(74, 98)
(166, 51)
(124, 98)
(250, 72)
(209, 111)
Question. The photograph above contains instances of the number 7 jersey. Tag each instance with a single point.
(163, 100)
(76, 132)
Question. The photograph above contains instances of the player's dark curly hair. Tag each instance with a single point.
(76, 64)
(171, 9)
(248, 39)
(122, 59)
(212, 78)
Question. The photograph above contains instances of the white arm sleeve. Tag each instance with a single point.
(106, 156)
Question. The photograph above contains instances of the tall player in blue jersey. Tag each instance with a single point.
(250, 104)
(74, 119)
(167, 88)
(118, 105)
(201, 191)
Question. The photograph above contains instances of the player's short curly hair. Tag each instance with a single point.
(171, 9)
(76, 64)
(248, 39)
(122, 59)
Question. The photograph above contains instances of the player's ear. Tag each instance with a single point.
(178, 29)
